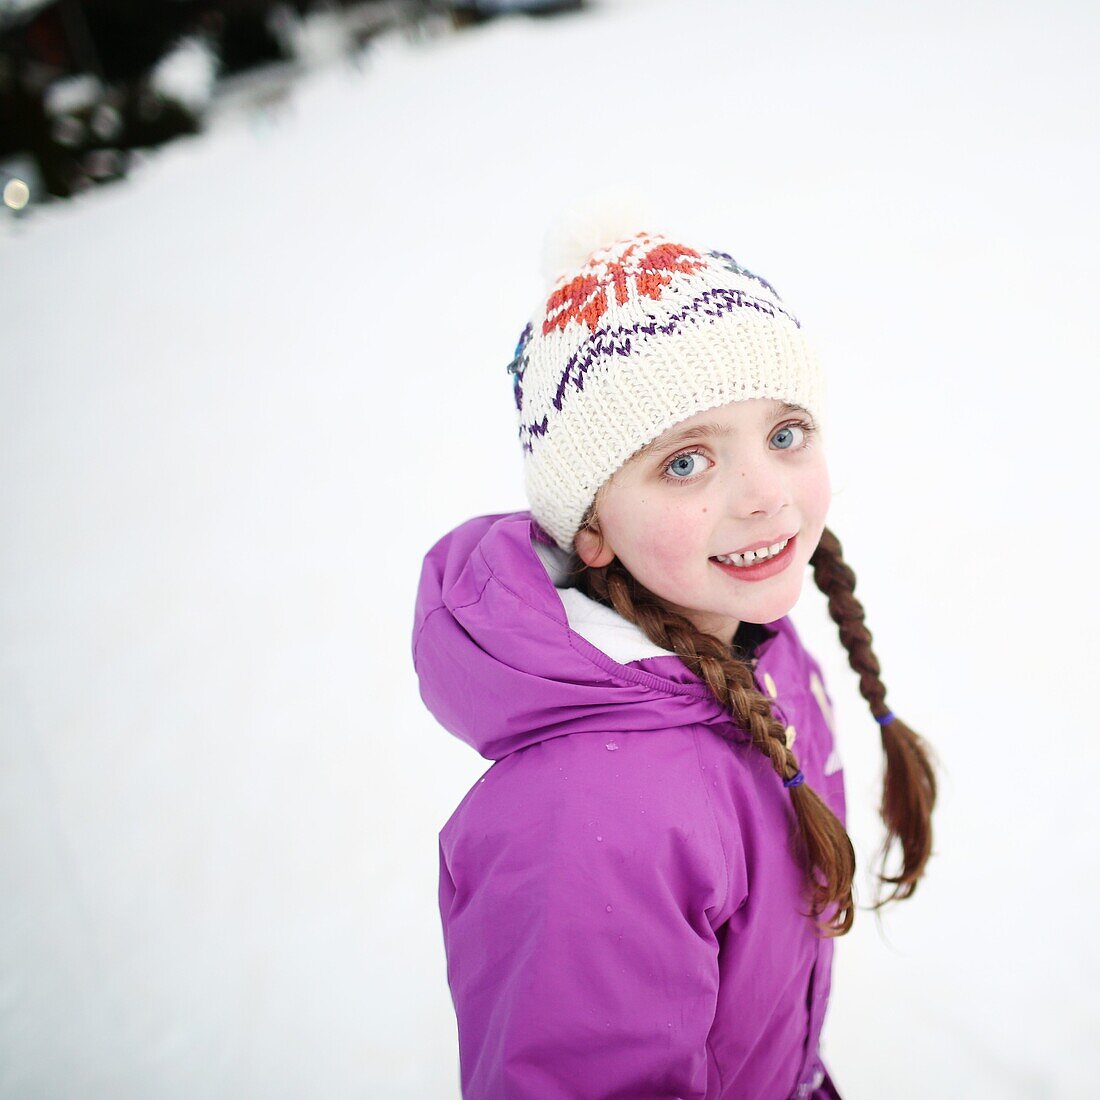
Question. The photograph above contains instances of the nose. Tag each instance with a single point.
(758, 488)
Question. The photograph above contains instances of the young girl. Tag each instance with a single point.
(639, 897)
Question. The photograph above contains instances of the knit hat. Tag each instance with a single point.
(638, 332)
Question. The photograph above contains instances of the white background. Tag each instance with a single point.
(242, 393)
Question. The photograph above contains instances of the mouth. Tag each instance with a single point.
(757, 569)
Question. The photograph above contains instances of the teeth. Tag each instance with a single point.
(753, 555)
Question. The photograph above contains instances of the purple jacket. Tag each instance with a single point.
(621, 910)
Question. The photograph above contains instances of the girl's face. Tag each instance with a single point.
(729, 478)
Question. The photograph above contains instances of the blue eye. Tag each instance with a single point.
(681, 469)
(786, 431)
(684, 465)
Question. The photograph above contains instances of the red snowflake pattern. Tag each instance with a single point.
(584, 299)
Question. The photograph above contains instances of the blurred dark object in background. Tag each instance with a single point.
(85, 83)
(478, 11)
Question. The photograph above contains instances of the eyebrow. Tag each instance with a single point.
(709, 429)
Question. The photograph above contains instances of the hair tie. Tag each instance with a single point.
(886, 718)
(795, 779)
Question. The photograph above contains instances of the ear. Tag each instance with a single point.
(593, 551)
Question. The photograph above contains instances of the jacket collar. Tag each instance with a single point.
(506, 658)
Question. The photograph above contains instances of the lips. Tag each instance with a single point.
(758, 545)
(760, 570)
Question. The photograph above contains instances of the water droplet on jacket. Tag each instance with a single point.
(599, 838)
(609, 908)
(611, 746)
(482, 779)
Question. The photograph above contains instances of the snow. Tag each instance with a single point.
(186, 74)
(72, 93)
(20, 8)
(320, 38)
(243, 392)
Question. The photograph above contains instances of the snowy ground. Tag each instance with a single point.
(243, 393)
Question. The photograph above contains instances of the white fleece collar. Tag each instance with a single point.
(602, 626)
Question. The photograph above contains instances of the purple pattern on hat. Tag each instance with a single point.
(739, 269)
(711, 304)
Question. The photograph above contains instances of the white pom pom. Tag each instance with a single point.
(593, 221)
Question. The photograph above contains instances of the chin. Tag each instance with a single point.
(770, 606)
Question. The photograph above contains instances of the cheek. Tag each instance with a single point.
(819, 490)
(670, 542)
(814, 497)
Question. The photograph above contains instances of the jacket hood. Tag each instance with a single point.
(508, 654)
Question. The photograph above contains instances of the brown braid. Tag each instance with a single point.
(821, 841)
(909, 785)
(819, 838)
